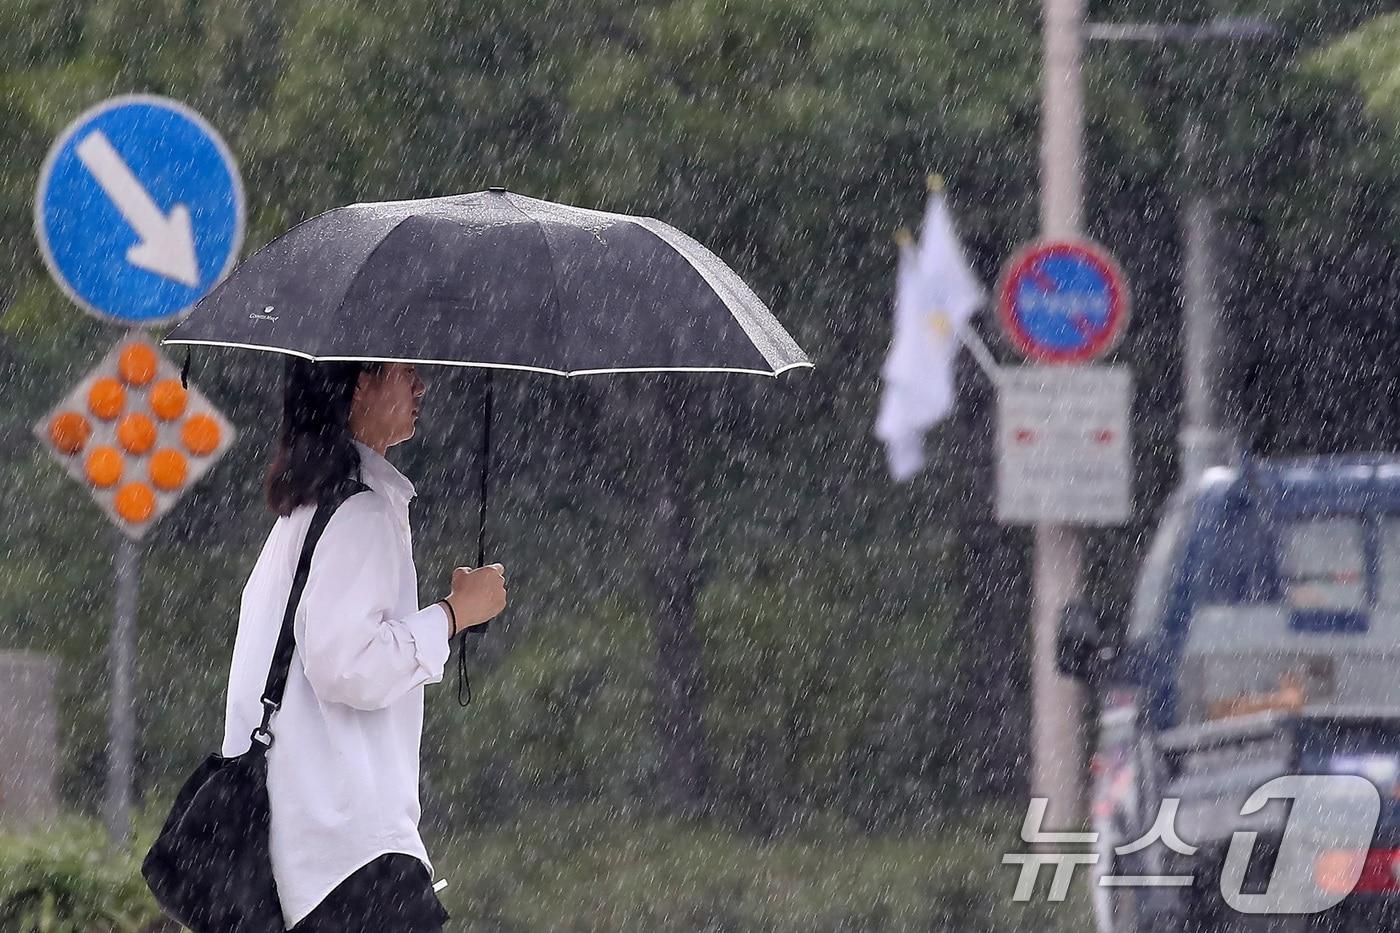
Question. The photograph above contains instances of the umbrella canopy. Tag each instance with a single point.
(494, 279)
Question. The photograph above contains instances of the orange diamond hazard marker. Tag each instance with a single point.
(133, 436)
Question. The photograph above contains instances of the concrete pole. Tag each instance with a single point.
(1057, 703)
(1203, 440)
(121, 664)
(1062, 120)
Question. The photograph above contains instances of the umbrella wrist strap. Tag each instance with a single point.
(464, 686)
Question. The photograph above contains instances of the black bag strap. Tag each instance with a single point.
(286, 638)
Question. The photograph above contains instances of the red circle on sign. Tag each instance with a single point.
(1024, 262)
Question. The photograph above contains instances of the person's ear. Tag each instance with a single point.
(363, 385)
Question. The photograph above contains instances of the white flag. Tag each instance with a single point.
(935, 295)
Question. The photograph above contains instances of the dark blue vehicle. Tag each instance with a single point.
(1263, 640)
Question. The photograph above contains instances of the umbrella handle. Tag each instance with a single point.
(464, 687)
(485, 470)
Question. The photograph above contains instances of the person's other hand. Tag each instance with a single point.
(478, 595)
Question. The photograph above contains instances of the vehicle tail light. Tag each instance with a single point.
(1378, 874)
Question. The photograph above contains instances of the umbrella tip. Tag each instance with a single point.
(496, 188)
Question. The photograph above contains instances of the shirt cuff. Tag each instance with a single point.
(430, 627)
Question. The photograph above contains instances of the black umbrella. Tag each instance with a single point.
(494, 280)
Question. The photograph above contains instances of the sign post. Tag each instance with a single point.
(139, 213)
(1063, 441)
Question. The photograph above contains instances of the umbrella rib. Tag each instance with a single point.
(549, 251)
(369, 257)
(767, 335)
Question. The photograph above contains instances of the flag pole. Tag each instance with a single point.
(980, 353)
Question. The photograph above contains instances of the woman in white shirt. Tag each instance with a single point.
(343, 769)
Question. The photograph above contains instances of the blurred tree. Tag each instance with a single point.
(792, 137)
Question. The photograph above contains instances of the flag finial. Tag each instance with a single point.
(935, 183)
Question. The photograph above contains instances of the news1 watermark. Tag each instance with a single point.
(1322, 850)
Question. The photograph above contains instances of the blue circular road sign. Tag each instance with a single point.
(1063, 301)
(139, 211)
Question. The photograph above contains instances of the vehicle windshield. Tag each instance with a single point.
(1300, 611)
(1154, 578)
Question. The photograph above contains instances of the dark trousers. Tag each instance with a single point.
(392, 894)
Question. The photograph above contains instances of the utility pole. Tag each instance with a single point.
(1057, 702)
(1203, 440)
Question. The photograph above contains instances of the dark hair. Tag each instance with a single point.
(315, 452)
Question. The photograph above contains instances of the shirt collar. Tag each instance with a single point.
(377, 471)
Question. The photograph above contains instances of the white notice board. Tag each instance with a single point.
(1064, 448)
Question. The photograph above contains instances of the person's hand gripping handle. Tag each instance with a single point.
(478, 595)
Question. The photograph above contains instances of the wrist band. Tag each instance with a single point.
(451, 612)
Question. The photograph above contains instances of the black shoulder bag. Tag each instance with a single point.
(210, 867)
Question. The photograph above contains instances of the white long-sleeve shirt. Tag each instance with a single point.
(343, 766)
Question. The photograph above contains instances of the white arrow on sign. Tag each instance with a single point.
(167, 241)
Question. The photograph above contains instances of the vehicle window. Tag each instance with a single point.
(1323, 564)
(1236, 563)
(1388, 588)
(1155, 577)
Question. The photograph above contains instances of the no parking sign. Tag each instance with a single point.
(1063, 301)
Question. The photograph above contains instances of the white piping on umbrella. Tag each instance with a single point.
(690, 369)
(533, 369)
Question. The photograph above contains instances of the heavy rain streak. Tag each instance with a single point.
(769, 466)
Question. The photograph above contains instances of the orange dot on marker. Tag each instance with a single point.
(168, 399)
(106, 398)
(69, 431)
(135, 502)
(137, 433)
(137, 364)
(168, 469)
(104, 467)
(200, 435)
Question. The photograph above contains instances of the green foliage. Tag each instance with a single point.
(815, 704)
(1370, 57)
(792, 137)
(606, 870)
(569, 721)
(823, 701)
(68, 881)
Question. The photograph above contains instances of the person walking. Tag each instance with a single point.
(343, 772)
